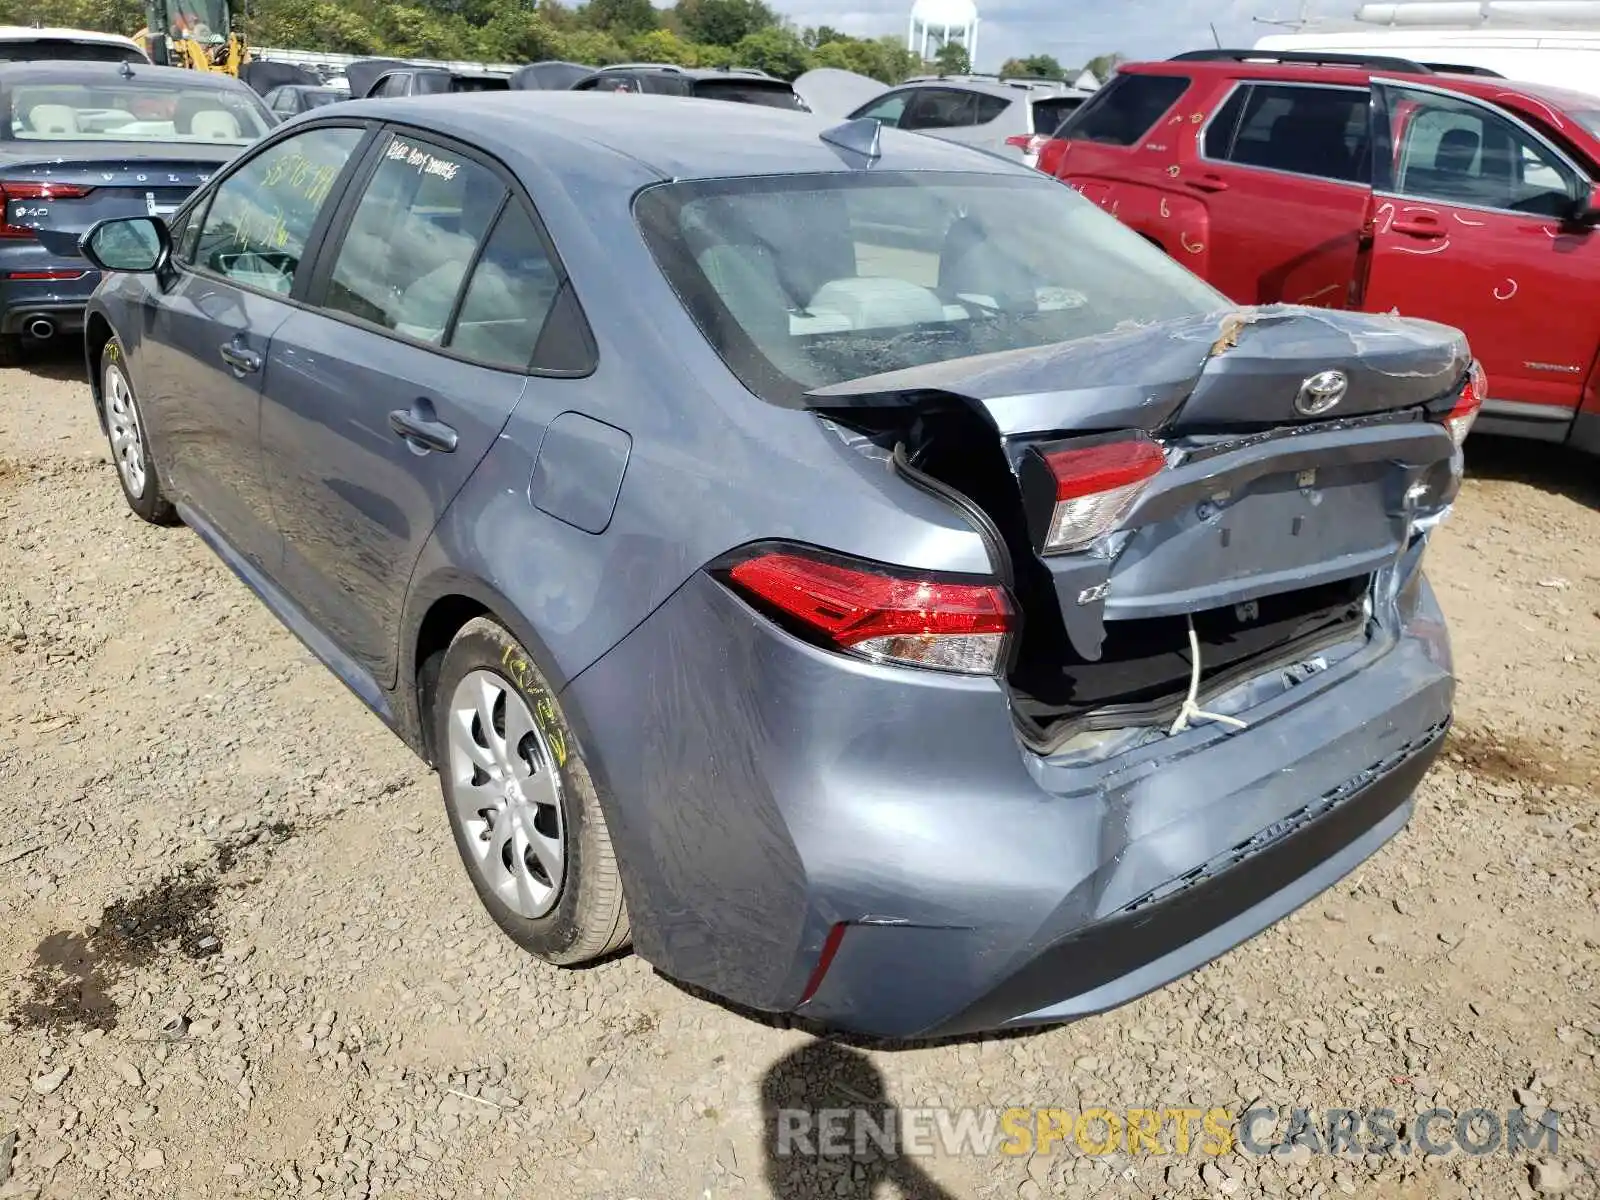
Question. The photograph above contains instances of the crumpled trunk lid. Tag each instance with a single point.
(1222, 372)
(1301, 446)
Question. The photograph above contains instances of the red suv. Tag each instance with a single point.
(1376, 184)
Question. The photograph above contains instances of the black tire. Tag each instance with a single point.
(589, 918)
(10, 349)
(150, 501)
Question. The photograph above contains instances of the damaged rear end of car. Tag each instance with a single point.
(1216, 506)
(1197, 685)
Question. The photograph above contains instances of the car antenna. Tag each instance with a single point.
(860, 136)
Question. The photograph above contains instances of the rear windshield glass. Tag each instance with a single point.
(316, 99)
(802, 281)
(1589, 120)
(64, 50)
(478, 84)
(1123, 111)
(1048, 114)
(129, 111)
(745, 91)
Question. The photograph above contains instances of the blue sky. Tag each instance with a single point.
(1072, 30)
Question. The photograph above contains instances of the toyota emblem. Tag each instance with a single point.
(1321, 393)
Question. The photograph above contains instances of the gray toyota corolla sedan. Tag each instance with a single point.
(846, 564)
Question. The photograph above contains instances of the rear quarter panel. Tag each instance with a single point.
(710, 466)
(1142, 185)
(1177, 223)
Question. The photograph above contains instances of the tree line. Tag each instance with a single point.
(693, 33)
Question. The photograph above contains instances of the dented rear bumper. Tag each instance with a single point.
(761, 796)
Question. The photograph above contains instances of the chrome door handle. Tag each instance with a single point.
(418, 427)
(240, 359)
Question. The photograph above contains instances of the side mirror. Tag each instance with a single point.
(1586, 209)
(134, 244)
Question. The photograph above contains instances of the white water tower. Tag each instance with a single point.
(937, 23)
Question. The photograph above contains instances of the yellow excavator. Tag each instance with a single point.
(197, 34)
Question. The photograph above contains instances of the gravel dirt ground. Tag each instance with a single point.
(239, 957)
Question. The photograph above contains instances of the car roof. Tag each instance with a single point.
(45, 70)
(453, 72)
(1011, 89)
(1483, 87)
(746, 73)
(1288, 72)
(50, 33)
(673, 136)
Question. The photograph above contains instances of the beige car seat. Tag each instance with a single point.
(53, 118)
(215, 125)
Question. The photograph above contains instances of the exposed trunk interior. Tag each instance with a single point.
(1143, 671)
(1265, 525)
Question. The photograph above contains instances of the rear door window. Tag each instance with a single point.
(1305, 130)
(67, 50)
(509, 295)
(749, 91)
(1126, 109)
(941, 108)
(890, 109)
(260, 217)
(989, 108)
(477, 83)
(413, 239)
(1049, 114)
(618, 81)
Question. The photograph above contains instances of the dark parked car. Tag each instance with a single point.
(552, 75)
(292, 99)
(435, 81)
(86, 140)
(901, 596)
(720, 83)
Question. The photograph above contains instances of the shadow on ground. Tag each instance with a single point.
(1555, 469)
(828, 1078)
(61, 358)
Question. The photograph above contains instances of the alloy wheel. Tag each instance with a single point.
(127, 441)
(507, 791)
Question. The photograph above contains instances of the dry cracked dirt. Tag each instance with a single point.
(239, 957)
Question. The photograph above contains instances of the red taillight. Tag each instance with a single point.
(1052, 156)
(1095, 487)
(1461, 417)
(29, 190)
(38, 275)
(1030, 144)
(884, 616)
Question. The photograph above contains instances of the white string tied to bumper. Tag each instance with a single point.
(1191, 710)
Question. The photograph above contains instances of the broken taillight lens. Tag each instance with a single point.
(1095, 487)
(1459, 421)
(881, 614)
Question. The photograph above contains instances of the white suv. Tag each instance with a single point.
(1015, 116)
